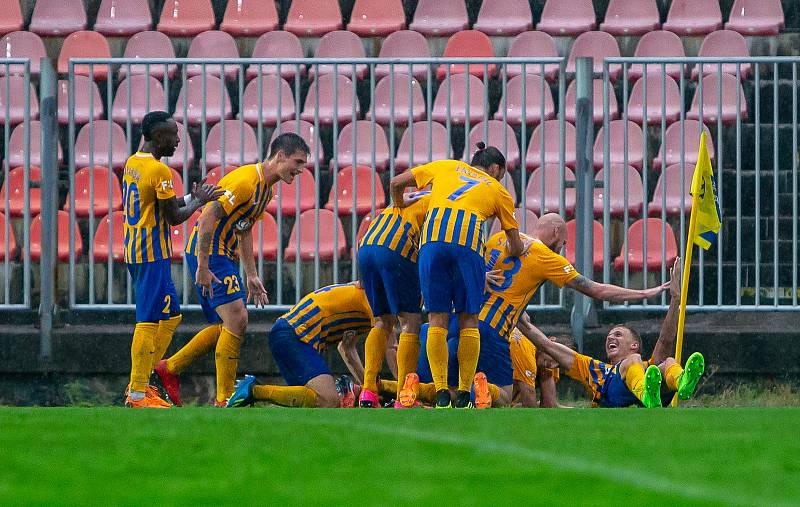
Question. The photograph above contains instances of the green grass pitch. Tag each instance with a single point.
(272, 456)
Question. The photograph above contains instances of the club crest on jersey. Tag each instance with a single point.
(242, 225)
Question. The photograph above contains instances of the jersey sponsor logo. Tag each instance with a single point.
(568, 268)
(166, 184)
(230, 197)
(243, 225)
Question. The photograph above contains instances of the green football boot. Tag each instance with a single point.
(687, 383)
(651, 395)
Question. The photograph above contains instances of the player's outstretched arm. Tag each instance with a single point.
(564, 355)
(612, 293)
(255, 287)
(397, 186)
(347, 349)
(669, 328)
(547, 385)
(178, 209)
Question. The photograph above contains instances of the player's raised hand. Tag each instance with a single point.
(205, 192)
(655, 291)
(205, 279)
(256, 292)
(675, 279)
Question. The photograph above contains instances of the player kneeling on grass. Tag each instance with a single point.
(534, 368)
(333, 314)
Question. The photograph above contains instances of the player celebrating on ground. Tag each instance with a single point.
(333, 314)
(224, 234)
(451, 265)
(623, 381)
(150, 208)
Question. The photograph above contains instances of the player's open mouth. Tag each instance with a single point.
(612, 347)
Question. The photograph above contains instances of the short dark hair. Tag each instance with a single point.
(152, 121)
(288, 143)
(486, 156)
(634, 333)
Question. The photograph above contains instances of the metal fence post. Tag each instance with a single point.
(582, 309)
(48, 111)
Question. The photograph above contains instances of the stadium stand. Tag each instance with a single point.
(149, 44)
(430, 142)
(286, 195)
(567, 17)
(56, 18)
(278, 44)
(84, 44)
(135, 97)
(87, 102)
(598, 238)
(693, 17)
(312, 18)
(658, 44)
(16, 193)
(537, 94)
(550, 130)
(621, 194)
(533, 45)
(11, 252)
(673, 148)
(213, 44)
(239, 142)
(467, 44)
(371, 148)
(11, 18)
(454, 90)
(62, 245)
(677, 197)
(723, 43)
(636, 242)
(342, 192)
(391, 102)
(17, 148)
(186, 18)
(265, 238)
(708, 93)
(660, 95)
(404, 44)
(377, 19)
(306, 249)
(504, 17)
(91, 192)
(530, 222)
(756, 17)
(491, 133)
(262, 97)
(110, 231)
(340, 44)
(320, 102)
(570, 101)
(97, 141)
(12, 100)
(123, 19)
(631, 17)
(598, 45)
(249, 18)
(203, 98)
(22, 45)
(616, 144)
(550, 190)
(440, 18)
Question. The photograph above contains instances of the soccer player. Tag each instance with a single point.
(150, 208)
(223, 235)
(387, 265)
(334, 314)
(625, 380)
(451, 264)
(533, 368)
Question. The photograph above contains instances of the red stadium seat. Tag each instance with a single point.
(186, 18)
(85, 44)
(325, 110)
(552, 151)
(197, 99)
(17, 148)
(618, 189)
(57, 18)
(16, 192)
(658, 100)
(598, 239)
(277, 45)
(176, 161)
(367, 151)
(93, 143)
(309, 134)
(303, 185)
(22, 45)
(570, 101)
(239, 146)
(109, 238)
(456, 87)
(213, 44)
(17, 106)
(95, 202)
(508, 183)
(86, 99)
(636, 245)
(567, 17)
(149, 45)
(658, 44)
(11, 253)
(598, 45)
(551, 191)
(631, 17)
(11, 18)
(529, 227)
(534, 45)
(62, 247)
(440, 18)
(386, 98)
(363, 194)
(534, 98)
(756, 17)
(146, 94)
(616, 144)
(438, 142)
(404, 44)
(214, 175)
(265, 238)
(731, 87)
(340, 44)
(678, 197)
(312, 18)
(691, 144)
(693, 17)
(504, 17)
(124, 18)
(372, 18)
(274, 90)
(468, 44)
(249, 18)
(491, 133)
(723, 43)
(328, 227)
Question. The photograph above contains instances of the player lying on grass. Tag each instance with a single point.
(224, 234)
(533, 368)
(334, 314)
(625, 380)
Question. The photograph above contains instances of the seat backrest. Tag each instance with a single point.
(457, 84)
(278, 44)
(57, 17)
(240, 141)
(249, 18)
(671, 179)
(149, 44)
(405, 44)
(654, 93)
(616, 142)
(196, 98)
(213, 44)
(108, 239)
(492, 133)
(340, 44)
(186, 17)
(91, 191)
(383, 93)
(17, 148)
(691, 140)
(16, 193)
(660, 43)
(303, 185)
(428, 10)
(550, 129)
(730, 88)
(86, 94)
(84, 44)
(533, 96)
(272, 87)
(120, 18)
(12, 17)
(303, 14)
(468, 43)
(654, 230)
(344, 90)
(533, 43)
(436, 140)
(98, 142)
(62, 223)
(363, 189)
(596, 44)
(22, 45)
(552, 190)
(388, 15)
(363, 133)
(723, 43)
(12, 242)
(146, 94)
(683, 9)
(329, 226)
(619, 189)
(630, 9)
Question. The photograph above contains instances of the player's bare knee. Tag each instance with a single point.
(439, 319)
(410, 322)
(385, 322)
(467, 320)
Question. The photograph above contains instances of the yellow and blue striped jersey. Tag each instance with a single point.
(462, 198)
(592, 373)
(398, 228)
(323, 316)
(521, 277)
(245, 200)
(147, 236)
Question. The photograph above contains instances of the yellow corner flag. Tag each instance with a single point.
(704, 193)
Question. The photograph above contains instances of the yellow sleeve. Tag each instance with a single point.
(423, 174)
(505, 210)
(580, 369)
(237, 192)
(162, 182)
(556, 268)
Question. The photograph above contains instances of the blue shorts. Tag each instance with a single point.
(390, 281)
(230, 288)
(615, 393)
(156, 298)
(452, 277)
(298, 361)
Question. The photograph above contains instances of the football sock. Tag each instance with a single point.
(374, 350)
(494, 391)
(166, 328)
(202, 343)
(427, 393)
(634, 379)
(407, 355)
(469, 347)
(288, 396)
(142, 350)
(388, 386)
(437, 355)
(672, 375)
(227, 359)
